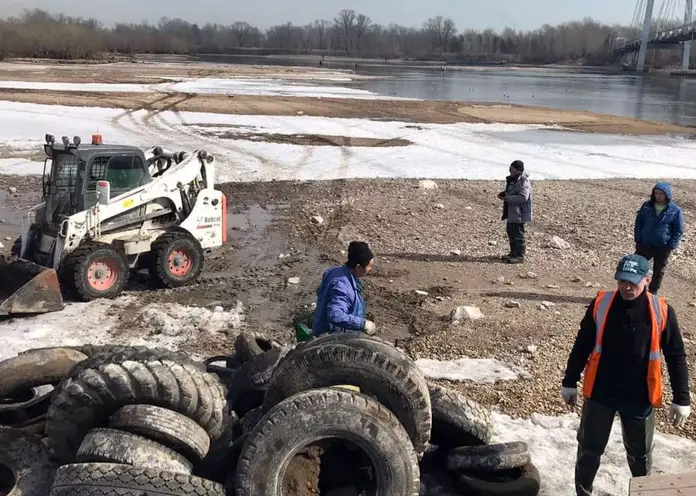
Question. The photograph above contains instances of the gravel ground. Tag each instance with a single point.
(446, 242)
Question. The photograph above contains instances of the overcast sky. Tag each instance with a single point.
(476, 14)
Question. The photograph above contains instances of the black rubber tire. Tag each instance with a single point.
(489, 458)
(249, 344)
(99, 386)
(250, 420)
(522, 481)
(28, 460)
(114, 446)
(327, 413)
(37, 368)
(159, 259)
(76, 266)
(31, 418)
(376, 367)
(23, 400)
(215, 465)
(110, 479)
(247, 387)
(171, 429)
(458, 420)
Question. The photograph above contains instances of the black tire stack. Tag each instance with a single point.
(126, 421)
(289, 398)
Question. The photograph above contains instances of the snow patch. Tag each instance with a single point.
(553, 445)
(20, 166)
(481, 370)
(95, 323)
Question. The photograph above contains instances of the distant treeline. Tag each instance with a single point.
(40, 34)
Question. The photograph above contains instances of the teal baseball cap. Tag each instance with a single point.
(632, 268)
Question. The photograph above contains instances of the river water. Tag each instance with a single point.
(650, 97)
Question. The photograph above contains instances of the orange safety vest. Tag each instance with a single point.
(658, 318)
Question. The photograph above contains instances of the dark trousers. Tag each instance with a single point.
(660, 254)
(515, 233)
(593, 435)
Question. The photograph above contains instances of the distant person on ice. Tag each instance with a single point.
(619, 344)
(517, 210)
(658, 229)
(340, 303)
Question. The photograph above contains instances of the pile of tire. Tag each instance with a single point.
(421, 438)
(120, 421)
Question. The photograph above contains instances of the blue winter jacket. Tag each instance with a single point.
(340, 305)
(663, 230)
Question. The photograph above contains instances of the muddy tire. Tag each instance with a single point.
(215, 465)
(490, 458)
(250, 420)
(37, 368)
(114, 446)
(247, 345)
(248, 386)
(101, 385)
(522, 481)
(30, 418)
(376, 367)
(109, 479)
(176, 259)
(327, 413)
(458, 420)
(169, 428)
(29, 462)
(98, 270)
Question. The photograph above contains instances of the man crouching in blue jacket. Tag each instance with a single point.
(340, 304)
(659, 228)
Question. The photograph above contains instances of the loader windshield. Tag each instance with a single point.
(65, 187)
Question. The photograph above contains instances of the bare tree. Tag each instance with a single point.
(345, 21)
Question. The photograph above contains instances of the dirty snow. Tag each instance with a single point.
(481, 370)
(20, 166)
(468, 151)
(217, 86)
(553, 448)
(93, 323)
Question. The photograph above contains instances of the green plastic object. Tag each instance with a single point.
(303, 326)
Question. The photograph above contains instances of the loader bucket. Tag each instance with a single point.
(28, 288)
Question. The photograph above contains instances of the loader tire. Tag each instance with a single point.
(171, 429)
(99, 386)
(325, 413)
(176, 259)
(97, 270)
(114, 446)
(379, 369)
(111, 479)
(458, 420)
(28, 462)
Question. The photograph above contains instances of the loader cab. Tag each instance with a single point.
(71, 174)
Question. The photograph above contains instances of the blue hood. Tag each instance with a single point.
(664, 187)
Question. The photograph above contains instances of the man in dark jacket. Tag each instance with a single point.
(517, 210)
(619, 345)
(340, 304)
(658, 229)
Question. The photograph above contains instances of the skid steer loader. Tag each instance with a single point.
(108, 210)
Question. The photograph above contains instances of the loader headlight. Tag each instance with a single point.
(66, 141)
(50, 139)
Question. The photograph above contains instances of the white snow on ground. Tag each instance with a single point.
(93, 323)
(468, 151)
(481, 370)
(553, 446)
(217, 86)
(20, 166)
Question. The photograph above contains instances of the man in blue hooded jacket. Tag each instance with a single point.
(658, 229)
(340, 304)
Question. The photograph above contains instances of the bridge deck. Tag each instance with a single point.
(664, 485)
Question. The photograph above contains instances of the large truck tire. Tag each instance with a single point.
(458, 420)
(28, 460)
(380, 371)
(101, 385)
(324, 413)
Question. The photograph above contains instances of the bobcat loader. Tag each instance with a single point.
(108, 210)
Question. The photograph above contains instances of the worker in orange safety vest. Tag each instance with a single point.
(622, 337)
